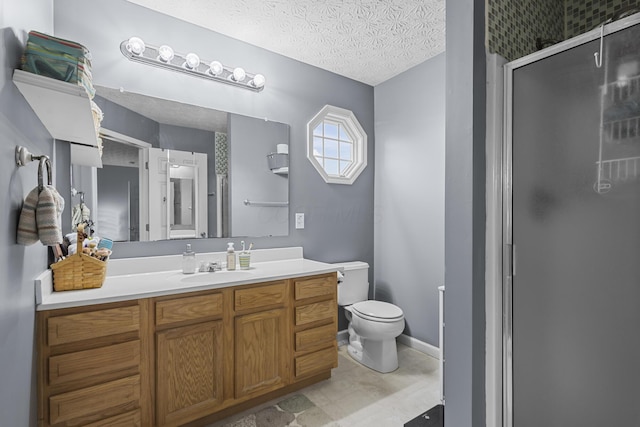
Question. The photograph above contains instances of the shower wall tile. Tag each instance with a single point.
(221, 153)
(582, 16)
(513, 26)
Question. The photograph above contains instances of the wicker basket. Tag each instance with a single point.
(78, 271)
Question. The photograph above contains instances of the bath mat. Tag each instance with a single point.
(434, 417)
(294, 411)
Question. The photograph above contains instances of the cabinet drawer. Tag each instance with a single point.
(92, 324)
(316, 338)
(314, 312)
(316, 362)
(189, 308)
(315, 287)
(262, 296)
(83, 364)
(94, 400)
(130, 419)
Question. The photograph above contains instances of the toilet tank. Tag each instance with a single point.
(354, 286)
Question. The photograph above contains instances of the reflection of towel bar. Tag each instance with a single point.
(266, 204)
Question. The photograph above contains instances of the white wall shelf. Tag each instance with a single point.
(65, 110)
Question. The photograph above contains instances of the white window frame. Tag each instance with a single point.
(348, 120)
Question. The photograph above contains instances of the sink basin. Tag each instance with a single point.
(211, 277)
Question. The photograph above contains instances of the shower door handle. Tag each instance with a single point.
(510, 260)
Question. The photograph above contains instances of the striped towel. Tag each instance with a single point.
(48, 211)
(40, 217)
(27, 229)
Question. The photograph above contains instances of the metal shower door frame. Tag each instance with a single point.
(509, 260)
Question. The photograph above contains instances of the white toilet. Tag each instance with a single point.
(373, 325)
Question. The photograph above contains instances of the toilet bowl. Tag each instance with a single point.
(373, 325)
(373, 329)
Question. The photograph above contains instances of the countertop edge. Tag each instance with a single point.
(47, 299)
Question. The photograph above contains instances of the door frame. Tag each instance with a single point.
(507, 262)
(143, 184)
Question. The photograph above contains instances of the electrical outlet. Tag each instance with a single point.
(299, 220)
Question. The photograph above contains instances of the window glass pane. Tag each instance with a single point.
(331, 166)
(331, 148)
(343, 166)
(330, 130)
(344, 135)
(335, 145)
(345, 150)
(317, 146)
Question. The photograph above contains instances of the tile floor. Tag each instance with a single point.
(357, 396)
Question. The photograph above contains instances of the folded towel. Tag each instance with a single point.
(27, 229)
(48, 210)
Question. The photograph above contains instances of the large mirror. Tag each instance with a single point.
(172, 170)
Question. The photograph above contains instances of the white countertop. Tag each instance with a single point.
(135, 278)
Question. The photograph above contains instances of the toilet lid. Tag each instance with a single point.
(378, 311)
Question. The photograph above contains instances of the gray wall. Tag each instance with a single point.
(251, 179)
(464, 311)
(409, 194)
(18, 264)
(120, 119)
(339, 218)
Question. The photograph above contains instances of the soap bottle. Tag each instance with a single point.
(231, 257)
(189, 261)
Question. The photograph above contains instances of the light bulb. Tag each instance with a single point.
(135, 45)
(165, 53)
(215, 68)
(258, 81)
(239, 74)
(192, 61)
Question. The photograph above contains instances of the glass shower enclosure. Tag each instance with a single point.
(571, 220)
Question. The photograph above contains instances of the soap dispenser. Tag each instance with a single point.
(188, 261)
(231, 257)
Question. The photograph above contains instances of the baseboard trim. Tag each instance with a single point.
(343, 338)
(421, 346)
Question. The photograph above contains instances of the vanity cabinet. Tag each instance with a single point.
(189, 358)
(262, 344)
(189, 341)
(315, 325)
(92, 365)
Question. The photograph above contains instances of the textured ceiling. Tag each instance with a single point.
(366, 40)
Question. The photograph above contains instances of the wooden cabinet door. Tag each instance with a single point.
(189, 382)
(262, 352)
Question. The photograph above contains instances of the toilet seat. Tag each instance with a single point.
(378, 311)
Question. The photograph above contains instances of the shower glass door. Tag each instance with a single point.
(574, 209)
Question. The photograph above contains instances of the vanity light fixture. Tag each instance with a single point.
(165, 53)
(135, 49)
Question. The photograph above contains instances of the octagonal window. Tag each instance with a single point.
(336, 145)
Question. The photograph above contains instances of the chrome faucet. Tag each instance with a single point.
(210, 267)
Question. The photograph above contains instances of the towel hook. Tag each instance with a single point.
(598, 55)
(75, 192)
(44, 160)
(23, 156)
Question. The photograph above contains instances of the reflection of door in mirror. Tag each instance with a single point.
(177, 191)
(120, 212)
